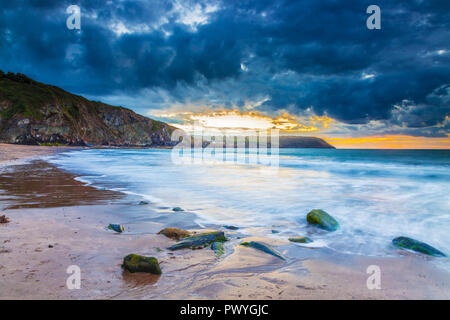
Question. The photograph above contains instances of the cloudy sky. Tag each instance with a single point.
(307, 67)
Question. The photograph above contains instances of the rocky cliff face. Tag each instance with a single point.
(35, 113)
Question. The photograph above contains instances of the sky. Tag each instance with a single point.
(306, 67)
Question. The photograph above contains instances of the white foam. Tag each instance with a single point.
(373, 200)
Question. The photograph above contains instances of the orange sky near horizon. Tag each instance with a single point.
(237, 122)
(389, 142)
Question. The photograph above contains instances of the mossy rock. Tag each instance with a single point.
(322, 219)
(199, 241)
(175, 233)
(177, 209)
(300, 239)
(218, 248)
(415, 245)
(116, 227)
(136, 263)
(231, 227)
(264, 248)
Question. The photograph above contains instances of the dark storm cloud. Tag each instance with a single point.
(299, 54)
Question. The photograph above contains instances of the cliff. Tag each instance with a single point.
(35, 113)
(303, 142)
(283, 142)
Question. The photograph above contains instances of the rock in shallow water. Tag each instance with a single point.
(199, 241)
(175, 233)
(177, 209)
(136, 263)
(264, 248)
(231, 227)
(116, 227)
(415, 245)
(300, 239)
(322, 219)
(218, 248)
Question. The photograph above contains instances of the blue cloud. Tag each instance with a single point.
(300, 54)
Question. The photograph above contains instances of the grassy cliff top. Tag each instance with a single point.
(21, 94)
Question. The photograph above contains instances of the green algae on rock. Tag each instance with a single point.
(264, 248)
(322, 219)
(199, 241)
(116, 227)
(415, 245)
(175, 233)
(218, 248)
(300, 239)
(231, 227)
(136, 263)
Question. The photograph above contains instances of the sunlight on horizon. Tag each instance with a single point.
(389, 142)
(234, 122)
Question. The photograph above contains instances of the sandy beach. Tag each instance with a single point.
(57, 221)
(11, 153)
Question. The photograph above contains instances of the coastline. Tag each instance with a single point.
(14, 153)
(59, 211)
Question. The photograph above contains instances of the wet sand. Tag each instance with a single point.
(47, 207)
(11, 153)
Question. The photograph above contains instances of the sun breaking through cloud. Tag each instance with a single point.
(250, 120)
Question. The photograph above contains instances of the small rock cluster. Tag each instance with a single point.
(215, 240)
(4, 219)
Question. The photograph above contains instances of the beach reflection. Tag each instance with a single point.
(42, 185)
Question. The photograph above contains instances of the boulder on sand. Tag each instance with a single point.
(116, 227)
(415, 245)
(4, 219)
(199, 241)
(322, 219)
(136, 263)
(175, 233)
(264, 248)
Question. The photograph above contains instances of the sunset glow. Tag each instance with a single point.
(234, 119)
(238, 122)
(390, 142)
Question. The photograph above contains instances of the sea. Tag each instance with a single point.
(375, 195)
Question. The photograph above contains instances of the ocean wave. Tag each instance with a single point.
(374, 197)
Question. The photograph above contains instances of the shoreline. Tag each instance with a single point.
(13, 153)
(55, 210)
